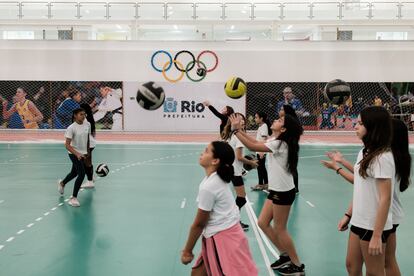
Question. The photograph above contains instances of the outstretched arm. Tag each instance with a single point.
(215, 111)
(248, 141)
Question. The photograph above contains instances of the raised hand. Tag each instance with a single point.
(235, 121)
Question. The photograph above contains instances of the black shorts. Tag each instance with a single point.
(282, 198)
(394, 228)
(237, 181)
(366, 235)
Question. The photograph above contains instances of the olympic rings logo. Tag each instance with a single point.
(202, 69)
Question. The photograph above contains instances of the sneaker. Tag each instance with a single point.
(244, 173)
(61, 188)
(88, 185)
(292, 269)
(74, 202)
(282, 261)
(244, 226)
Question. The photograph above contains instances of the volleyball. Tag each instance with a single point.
(235, 88)
(102, 170)
(337, 91)
(249, 157)
(150, 96)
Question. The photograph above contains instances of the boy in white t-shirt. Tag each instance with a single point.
(77, 144)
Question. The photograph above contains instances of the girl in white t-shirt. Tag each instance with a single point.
(92, 144)
(283, 149)
(402, 159)
(263, 133)
(237, 180)
(225, 249)
(77, 144)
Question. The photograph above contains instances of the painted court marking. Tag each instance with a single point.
(256, 230)
(310, 204)
(183, 203)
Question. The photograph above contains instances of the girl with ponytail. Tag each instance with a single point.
(224, 249)
(283, 153)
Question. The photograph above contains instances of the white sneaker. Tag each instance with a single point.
(74, 202)
(88, 185)
(61, 188)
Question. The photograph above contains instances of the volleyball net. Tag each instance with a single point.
(45, 109)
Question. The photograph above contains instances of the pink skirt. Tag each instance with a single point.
(227, 253)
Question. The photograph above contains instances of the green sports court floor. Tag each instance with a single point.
(136, 220)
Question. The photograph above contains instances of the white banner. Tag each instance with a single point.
(183, 109)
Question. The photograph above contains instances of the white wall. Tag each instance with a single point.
(253, 61)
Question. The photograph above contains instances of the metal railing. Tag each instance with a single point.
(127, 11)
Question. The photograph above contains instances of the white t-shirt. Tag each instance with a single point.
(215, 196)
(397, 209)
(366, 194)
(79, 135)
(235, 143)
(92, 141)
(280, 180)
(262, 133)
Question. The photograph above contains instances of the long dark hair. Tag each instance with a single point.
(377, 140)
(265, 120)
(229, 110)
(225, 153)
(289, 110)
(400, 150)
(226, 134)
(291, 137)
(89, 117)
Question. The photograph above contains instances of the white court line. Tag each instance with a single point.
(39, 219)
(183, 203)
(20, 232)
(262, 234)
(60, 204)
(53, 209)
(1, 201)
(314, 156)
(259, 240)
(1, 246)
(173, 164)
(30, 225)
(310, 204)
(10, 239)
